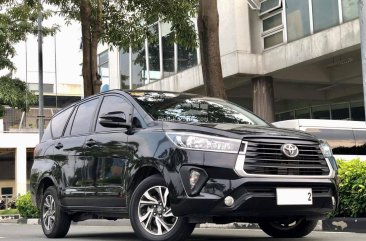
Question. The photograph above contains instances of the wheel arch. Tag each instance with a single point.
(46, 182)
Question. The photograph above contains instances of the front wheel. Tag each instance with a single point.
(288, 229)
(151, 215)
(55, 222)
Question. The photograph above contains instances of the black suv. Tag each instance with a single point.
(169, 161)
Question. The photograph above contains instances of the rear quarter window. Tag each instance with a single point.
(58, 122)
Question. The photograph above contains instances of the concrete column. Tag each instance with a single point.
(20, 170)
(263, 97)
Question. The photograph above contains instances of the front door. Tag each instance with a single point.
(107, 155)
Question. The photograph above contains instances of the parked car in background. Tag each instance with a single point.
(169, 161)
(346, 138)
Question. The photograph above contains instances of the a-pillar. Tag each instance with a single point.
(263, 97)
(21, 170)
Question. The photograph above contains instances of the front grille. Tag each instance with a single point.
(264, 157)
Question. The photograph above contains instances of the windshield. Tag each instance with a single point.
(175, 107)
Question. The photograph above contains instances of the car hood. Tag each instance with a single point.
(239, 130)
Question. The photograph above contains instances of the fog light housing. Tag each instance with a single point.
(229, 201)
(193, 179)
(194, 176)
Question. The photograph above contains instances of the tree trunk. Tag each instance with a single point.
(85, 19)
(263, 98)
(208, 29)
(96, 30)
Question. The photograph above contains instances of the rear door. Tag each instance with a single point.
(108, 154)
(70, 152)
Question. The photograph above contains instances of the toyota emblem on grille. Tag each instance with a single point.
(290, 150)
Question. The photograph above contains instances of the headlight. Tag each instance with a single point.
(326, 149)
(204, 142)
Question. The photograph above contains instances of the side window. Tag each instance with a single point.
(360, 141)
(84, 117)
(47, 133)
(111, 104)
(341, 141)
(59, 121)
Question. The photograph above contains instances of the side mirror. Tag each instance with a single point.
(115, 119)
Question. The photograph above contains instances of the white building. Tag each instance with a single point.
(308, 51)
(62, 86)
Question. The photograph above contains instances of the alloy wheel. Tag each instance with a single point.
(154, 211)
(49, 212)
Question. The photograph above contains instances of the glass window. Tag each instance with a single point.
(124, 68)
(286, 115)
(358, 111)
(360, 136)
(187, 58)
(349, 9)
(103, 70)
(340, 112)
(154, 55)
(138, 68)
(325, 14)
(321, 112)
(269, 5)
(273, 40)
(168, 49)
(110, 104)
(84, 117)
(47, 133)
(59, 121)
(298, 19)
(341, 141)
(7, 163)
(191, 108)
(272, 22)
(302, 113)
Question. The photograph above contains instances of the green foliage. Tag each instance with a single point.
(15, 93)
(127, 23)
(26, 208)
(352, 189)
(9, 212)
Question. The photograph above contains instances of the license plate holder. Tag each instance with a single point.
(294, 196)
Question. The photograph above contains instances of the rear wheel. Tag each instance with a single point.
(55, 223)
(151, 215)
(288, 229)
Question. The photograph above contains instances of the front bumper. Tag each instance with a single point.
(255, 199)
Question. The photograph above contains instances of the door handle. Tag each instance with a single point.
(59, 146)
(91, 143)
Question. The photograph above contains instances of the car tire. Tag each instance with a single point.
(151, 216)
(288, 229)
(55, 222)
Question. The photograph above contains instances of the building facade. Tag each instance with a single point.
(307, 51)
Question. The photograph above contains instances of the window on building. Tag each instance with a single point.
(47, 88)
(154, 54)
(298, 19)
(325, 14)
(349, 10)
(358, 111)
(138, 66)
(302, 113)
(103, 67)
(273, 40)
(84, 117)
(268, 6)
(167, 38)
(187, 58)
(124, 69)
(321, 112)
(7, 163)
(340, 111)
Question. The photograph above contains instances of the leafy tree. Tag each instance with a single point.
(15, 93)
(208, 29)
(123, 24)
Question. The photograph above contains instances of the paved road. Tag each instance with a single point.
(19, 232)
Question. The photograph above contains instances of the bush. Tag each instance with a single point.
(26, 208)
(352, 190)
